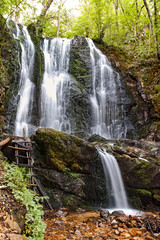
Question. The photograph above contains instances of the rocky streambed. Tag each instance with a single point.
(62, 224)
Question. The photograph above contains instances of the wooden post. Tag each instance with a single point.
(24, 133)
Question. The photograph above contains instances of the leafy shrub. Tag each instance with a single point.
(14, 178)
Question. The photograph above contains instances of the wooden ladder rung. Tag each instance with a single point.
(21, 149)
(20, 156)
(25, 165)
(20, 141)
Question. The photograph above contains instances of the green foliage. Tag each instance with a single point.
(14, 178)
(122, 23)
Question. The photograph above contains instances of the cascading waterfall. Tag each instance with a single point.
(107, 108)
(54, 87)
(118, 198)
(108, 118)
(26, 88)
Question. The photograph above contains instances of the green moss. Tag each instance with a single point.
(156, 197)
(139, 198)
(72, 202)
(75, 167)
(157, 88)
(144, 171)
(60, 150)
(144, 192)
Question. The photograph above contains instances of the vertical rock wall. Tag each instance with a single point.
(10, 74)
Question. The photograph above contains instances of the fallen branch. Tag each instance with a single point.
(4, 142)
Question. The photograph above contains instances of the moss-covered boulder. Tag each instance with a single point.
(69, 170)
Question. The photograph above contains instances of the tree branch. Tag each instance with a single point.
(14, 9)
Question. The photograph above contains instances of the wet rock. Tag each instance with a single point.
(80, 210)
(80, 69)
(61, 214)
(104, 213)
(114, 222)
(122, 219)
(118, 213)
(58, 222)
(77, 232)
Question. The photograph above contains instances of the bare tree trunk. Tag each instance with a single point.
(138, 16)
(59, 23)
(116, 5)
(156, 28)
(152, 24)
(59, 16)
(46, 7)
(87, 31)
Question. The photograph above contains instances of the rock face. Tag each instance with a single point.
(69, 170)
(80, 70)
(9, 73)
(142, 79)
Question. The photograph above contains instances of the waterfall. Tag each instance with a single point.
(54, 89)
(108, 116)
(118, 198)
(102, 96)
(26, 86)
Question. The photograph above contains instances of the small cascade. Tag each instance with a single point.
(54, 89)
(108, 116)
(118, 198)
(26, 86)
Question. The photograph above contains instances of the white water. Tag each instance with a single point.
(113, 174)
(108, 119)
(26, 89)
(107, 111)
(55, 84)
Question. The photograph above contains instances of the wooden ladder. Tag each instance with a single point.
(23, 158)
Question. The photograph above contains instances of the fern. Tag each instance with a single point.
(14, 178)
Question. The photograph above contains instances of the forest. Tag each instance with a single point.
(131, 25)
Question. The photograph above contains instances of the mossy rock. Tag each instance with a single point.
(139, 198)
(63, 152)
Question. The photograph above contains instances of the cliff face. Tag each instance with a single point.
(9, 75)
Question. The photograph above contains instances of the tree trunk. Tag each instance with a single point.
(87, 32)
(116, 5)
(46, 7)
(59, 23)
(156, 29)
(138, 16)
(59, 17)
(152, 24)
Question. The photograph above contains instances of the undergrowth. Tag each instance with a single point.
(14, 178)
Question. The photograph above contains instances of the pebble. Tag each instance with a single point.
(114, 222)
